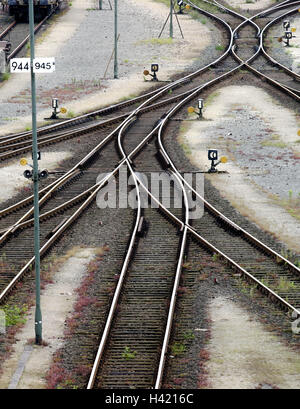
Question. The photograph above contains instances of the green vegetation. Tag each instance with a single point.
(5, 76)
(291, 204)
(128, 354)
(71, 114)
(177, 348)
(215, 257)
(285, 285)
(211, 98)
(186, 148)
(156, 41)
(273, 144)
(15, 315)
(220, 47)
(194, 14)
(189, 335)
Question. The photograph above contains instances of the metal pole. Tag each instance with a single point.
(100, 4)
(38, 314)
(116, 41)
(171, 18)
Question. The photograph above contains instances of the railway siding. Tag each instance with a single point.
(142, 124)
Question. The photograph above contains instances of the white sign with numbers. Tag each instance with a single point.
(40, 65)
(44, 65)
(20, 65)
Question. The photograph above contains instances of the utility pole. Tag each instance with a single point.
(171, 18)
(38, 313)
(116, 41)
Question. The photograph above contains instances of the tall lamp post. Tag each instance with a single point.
(116, 41)
(38, 313)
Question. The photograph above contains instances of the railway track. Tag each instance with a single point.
(242, 40)
(14, 33)
(131, 145)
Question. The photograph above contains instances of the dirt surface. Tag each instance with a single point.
(244, 355)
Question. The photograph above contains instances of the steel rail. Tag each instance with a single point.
(7, 30)
(186, 227)
(214, 249)
(230, 224)
(260, 34)
(170, 318)
(19, 141)
(103, 111)
(48, 140)
(266, 77)
(154, 97)
(105, 334)
(43, 199)
(207, 204)
(172, 304)
(50, 213)
(125, 265)
(36, 29)
(94, 191)
(140, 108)
(265, 29)
(174, 291)
(28, 266)
(55, 185)
(211, 247)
